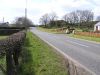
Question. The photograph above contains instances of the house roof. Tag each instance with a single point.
(97, 24)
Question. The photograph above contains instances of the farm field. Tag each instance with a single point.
(85, 37)
(88, 34)
(51, 30)
(95, 39)
(2, 37)
(2, 59)
(2, 65)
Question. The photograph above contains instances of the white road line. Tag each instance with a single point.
(70, 58)
(85, 40)
(79, 44)
(65, 55)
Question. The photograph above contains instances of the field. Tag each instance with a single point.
(81, 35)
(85, 37)
(38, 58)
(2, 65)
(88, 34)
(2, 60)
(53, 30)
(2, 37)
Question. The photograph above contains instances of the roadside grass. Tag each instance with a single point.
(38, 58)
(2, 65)
(51, 30)
(2, 37)
(85, 37)
(2, 60)
(71, 35)
(2, 57)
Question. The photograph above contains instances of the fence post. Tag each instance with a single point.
(9, 63)
(16, 55)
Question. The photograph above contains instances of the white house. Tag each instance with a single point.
(97, 27)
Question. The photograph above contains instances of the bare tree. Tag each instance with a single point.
(71, 17)
(53, 16)
(85, 15)
(45, 19)
(67, 18)
(98, 18)
(23, 22)
(79, 16)
(74, 17)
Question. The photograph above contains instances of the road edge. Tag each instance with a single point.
(74, 67)
(84, 40)
(72, 61)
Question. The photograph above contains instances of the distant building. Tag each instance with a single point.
(97, 27)
(6, 24)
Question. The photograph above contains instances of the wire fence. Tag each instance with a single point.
(11, 47)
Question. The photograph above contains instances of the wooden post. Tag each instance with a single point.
(9, 63)
(16, 55)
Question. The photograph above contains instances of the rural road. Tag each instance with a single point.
(85, 52)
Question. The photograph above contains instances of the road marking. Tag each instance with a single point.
(70, 58)
(78, 44)
(84, 40)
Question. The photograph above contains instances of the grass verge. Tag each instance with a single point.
(51, 30)
(2, 37)
(38, 58)
(85, 37)
(2, 60)
(71, 35)
(2, 65)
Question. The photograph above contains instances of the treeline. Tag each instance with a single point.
(78, 18)
(21, 22)
(10, 30)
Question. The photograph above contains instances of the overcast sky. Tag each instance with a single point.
(10, 9)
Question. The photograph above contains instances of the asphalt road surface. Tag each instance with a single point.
(85, 52)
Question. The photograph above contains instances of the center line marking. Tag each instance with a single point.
(79, 44)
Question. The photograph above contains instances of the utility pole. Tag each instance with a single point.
(3, 20)
(26, 13)
(26, 10)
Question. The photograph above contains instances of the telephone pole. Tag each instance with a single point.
(26, 13)
(26, 10)
(3, 20)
